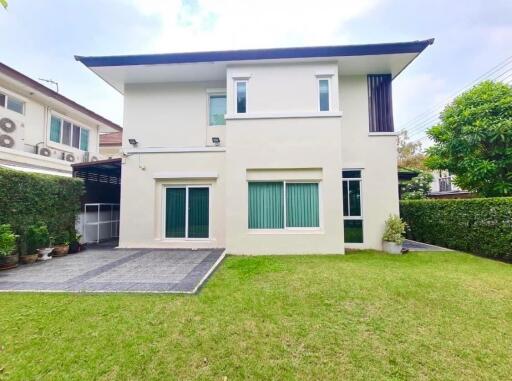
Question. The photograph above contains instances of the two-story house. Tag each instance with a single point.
(42, 130)
(268, 151)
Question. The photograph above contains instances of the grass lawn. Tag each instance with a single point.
(360, 316)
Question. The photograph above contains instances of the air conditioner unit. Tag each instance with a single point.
(69, 157)
(11, 134)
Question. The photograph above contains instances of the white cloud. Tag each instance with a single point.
(417, 101)
(228, 24)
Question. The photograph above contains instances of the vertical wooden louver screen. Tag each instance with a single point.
(380, 106)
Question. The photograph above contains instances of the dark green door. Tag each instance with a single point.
(198, 216)
(187, 205)
(175, 208)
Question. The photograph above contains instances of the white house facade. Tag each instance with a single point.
(272, 151)
(43, 131)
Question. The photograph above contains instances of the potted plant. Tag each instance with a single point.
(38, 240)
(393, 236)
(28, 252)
(61, 244)
(8, 257)
(74, 242)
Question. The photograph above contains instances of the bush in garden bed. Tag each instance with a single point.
(481, 225)
(28, 198)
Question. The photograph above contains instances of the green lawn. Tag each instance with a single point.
(360, 316)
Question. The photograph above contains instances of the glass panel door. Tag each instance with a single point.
(175, 208)
(198, 212)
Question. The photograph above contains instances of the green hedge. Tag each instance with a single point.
(27, 198)
(481, 225)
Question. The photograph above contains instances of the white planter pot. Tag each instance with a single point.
(44, 252)
(391, 247)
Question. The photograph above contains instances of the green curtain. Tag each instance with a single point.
(55, 130)
(198, 212)
(266, 201)
(175, 199)
(84, 139)
(302, 205)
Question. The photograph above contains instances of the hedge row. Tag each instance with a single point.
(28, 198)
(481, 225)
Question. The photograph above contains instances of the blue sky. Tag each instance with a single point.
(41, 37)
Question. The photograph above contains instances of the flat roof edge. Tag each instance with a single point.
(257, 54)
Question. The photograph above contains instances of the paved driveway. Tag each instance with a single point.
(116, 270)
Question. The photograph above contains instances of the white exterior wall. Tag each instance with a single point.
(375, 155)
(168, 114)
(142, 191)
(281, 137)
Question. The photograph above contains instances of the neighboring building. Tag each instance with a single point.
(443, 186)
(110, 144)
(42, 130)
(404, 176)
(269, 151)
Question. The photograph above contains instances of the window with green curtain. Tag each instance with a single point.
(55, 129)
(198, 212)
(175, 209)
(302, 205)
(84, 139)
(266, 205)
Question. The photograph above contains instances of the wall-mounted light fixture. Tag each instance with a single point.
(133, 142)
(216, 140)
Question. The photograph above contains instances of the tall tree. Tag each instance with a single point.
(410, 154)
(474, 140)
(3, 3)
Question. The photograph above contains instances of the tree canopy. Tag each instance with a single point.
(410, 153)
(473, 141)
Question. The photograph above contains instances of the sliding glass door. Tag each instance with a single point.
(187, 212)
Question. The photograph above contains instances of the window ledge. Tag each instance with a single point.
(288, 231)
(281, 115)
(383, 133)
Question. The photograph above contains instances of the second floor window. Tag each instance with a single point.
(12, 103)
(323, 90)
(216, 109)
(241, 97)
(67, 133)
(380, 107)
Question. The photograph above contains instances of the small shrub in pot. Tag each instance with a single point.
(74, 242)
(8, 257)
(38, 241)
(393, 236)
(61, 244)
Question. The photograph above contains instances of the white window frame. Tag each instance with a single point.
(286, 227)
(164, 214)
(7, 96)
(354, 218)
(212, 93)
(61, 145)
(236, 82)
(328, 78)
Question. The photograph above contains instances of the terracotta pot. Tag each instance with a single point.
(28, 259)
(9, 262)
(60, 250)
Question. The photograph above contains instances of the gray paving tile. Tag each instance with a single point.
(111, 270)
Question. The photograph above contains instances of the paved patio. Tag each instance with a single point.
(104, 269)
(420, 246)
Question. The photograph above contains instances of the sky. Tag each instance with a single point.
(40, 39)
